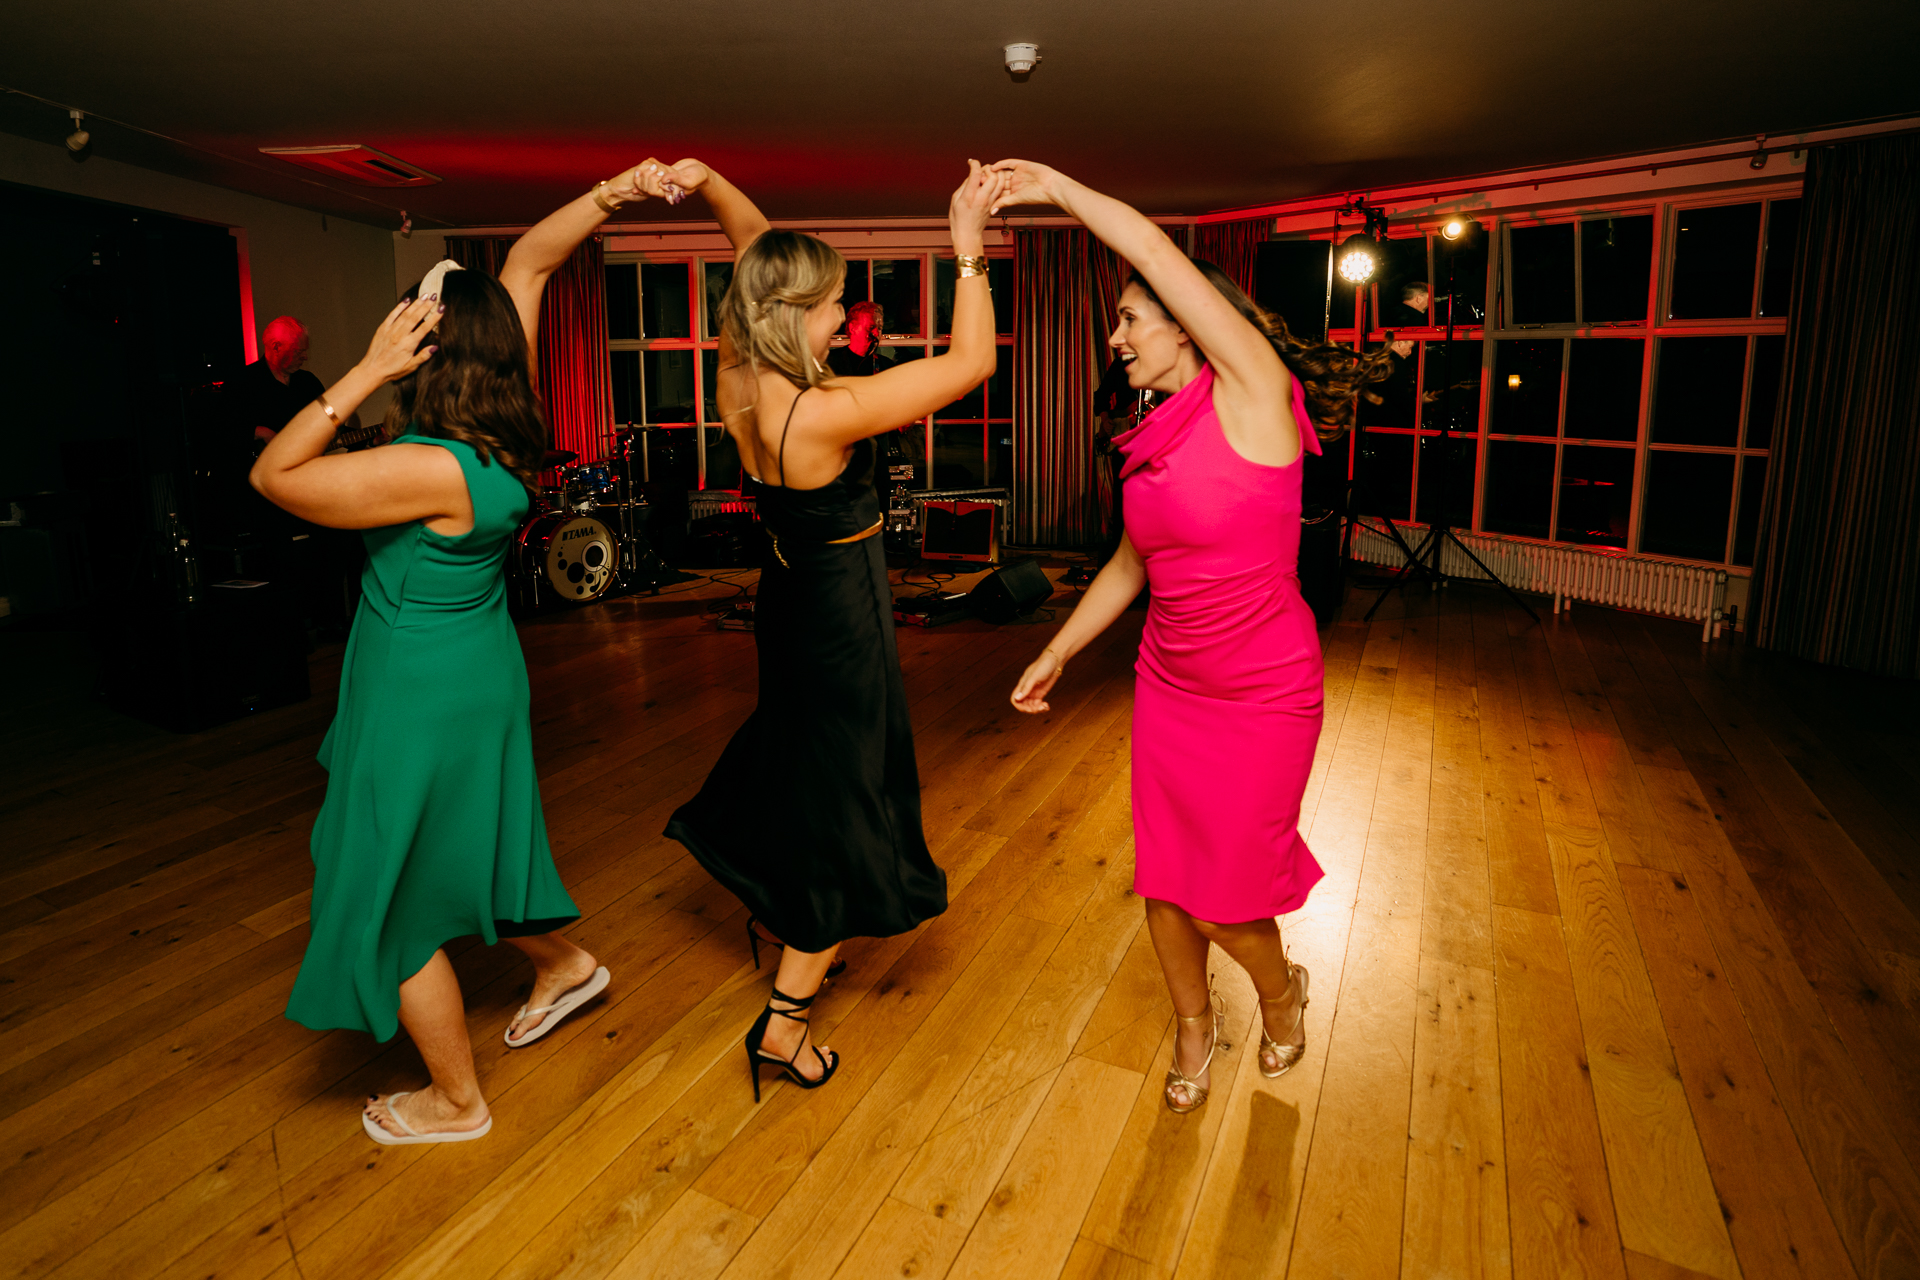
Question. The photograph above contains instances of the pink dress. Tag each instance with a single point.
(1228, 689)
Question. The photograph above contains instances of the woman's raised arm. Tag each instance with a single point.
(1242, 357)
(551, 241)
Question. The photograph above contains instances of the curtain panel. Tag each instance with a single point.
(1837, 578)
(574, 376)
(1234, 247)
(1067, 287)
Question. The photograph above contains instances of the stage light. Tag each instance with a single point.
(77, 140)
(1454, 229)
(1513, 381)
(1359, 258)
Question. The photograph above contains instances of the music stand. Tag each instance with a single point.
(1425, 559)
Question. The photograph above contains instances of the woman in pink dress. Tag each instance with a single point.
(1227, 702)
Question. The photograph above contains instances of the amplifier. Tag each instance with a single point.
(1000, 499)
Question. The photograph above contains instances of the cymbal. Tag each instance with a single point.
(558, 458)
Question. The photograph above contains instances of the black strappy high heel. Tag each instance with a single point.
(757, 1036)
(754, 940)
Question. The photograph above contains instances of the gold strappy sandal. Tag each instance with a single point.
(1287, 1054)
(1178, 1079)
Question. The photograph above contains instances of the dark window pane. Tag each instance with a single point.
(1290, 280)
(1763, 396)
(1714, 255)
(625, 370)
(913, 446)
(669, 382)
(1542, 274)
(1603, 389)
(1451, 400)
(1000, 455)
(1383, 475)
(709, 380)
(1446, 479)
(1753, 494)
(664, 299)
(971, 405)
(1000, 386)
(999, 280)
(896, 287)
(719, 276)
(1689, 496)
(723, 460)
(1460, 273)
(671, 458)
(900, 355)
(1616, 259)
(1596, 495)
(1519, 488)
(1397, 395)
(959, 455)
(1696, 394)
(1526, 387)
(1403, 271)
(623, 301)
(856, 289)
(1783, 234)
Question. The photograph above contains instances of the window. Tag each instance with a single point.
(1612, 382)
(664, 375)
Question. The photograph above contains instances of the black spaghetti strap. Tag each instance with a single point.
(783, 435)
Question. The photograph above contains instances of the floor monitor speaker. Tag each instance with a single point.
(1011, 591)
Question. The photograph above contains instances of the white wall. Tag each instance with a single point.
(337, 277)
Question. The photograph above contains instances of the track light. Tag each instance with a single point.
(1359, 258)
(1459, 230)
(77, 140)
(406, 226)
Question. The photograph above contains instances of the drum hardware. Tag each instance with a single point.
(574, 558)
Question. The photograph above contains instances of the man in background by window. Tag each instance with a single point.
(1411, 313)
(863, 356)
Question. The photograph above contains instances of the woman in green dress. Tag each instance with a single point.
(431, 829)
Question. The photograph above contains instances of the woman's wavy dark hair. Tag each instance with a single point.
(477, 388)
(1333, 374)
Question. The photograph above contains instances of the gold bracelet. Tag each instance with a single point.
(600, 197)
(1059, 663)
(327, 409)
(971, 264)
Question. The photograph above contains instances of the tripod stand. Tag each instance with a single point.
(1425, 559)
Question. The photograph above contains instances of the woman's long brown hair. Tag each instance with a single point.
(1333, 374)
(477, 388)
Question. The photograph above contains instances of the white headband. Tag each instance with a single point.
(431, 284)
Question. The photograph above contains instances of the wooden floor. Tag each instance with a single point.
(1615, 972)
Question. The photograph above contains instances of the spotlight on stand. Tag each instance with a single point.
(1458, 229)
(1359, 258)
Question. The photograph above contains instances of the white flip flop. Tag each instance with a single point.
(409, 1137)
(552, 1014)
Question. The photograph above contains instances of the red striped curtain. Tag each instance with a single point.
(574, 375)
(1233, 246)
(1067, 284)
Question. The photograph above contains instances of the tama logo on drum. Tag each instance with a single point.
(568, 535)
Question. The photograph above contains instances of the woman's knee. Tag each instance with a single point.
(1225, 932)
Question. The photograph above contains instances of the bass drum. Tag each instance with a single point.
(574, 557)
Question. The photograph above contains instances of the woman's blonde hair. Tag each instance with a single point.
(764, 315)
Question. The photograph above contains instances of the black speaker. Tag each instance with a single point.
(1011, 591)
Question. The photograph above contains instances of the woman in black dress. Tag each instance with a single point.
(812, 815)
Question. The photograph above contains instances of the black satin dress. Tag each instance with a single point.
(812, 815)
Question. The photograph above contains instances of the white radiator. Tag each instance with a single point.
(1570, 573)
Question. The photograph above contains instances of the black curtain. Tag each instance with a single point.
(1837, 578)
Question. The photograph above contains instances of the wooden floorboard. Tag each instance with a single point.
(1615, 972)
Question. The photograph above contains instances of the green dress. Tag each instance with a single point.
(431, 828)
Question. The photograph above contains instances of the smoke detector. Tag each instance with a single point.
(1021, 58)
(355, 163)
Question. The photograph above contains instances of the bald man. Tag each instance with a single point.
(323, 564)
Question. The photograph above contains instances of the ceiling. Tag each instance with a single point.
(869, 110)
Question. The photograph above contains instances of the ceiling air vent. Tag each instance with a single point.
(355, 163)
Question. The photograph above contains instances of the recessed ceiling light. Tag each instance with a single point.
(356, 163)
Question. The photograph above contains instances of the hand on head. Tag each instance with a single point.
(395, 350)
(974, 199)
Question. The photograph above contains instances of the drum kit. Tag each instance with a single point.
(585, 537)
